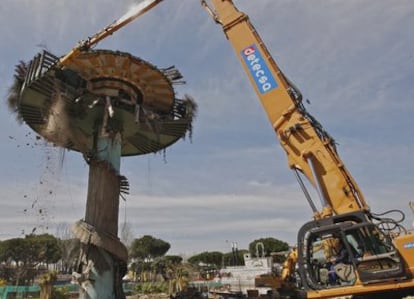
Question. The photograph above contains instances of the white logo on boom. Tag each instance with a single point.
(256, 68)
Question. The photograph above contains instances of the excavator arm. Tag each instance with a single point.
(133, 13)
(385, 268)
(310, 150)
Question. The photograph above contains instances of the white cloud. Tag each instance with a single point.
(242, 218)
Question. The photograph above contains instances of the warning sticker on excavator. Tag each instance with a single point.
(259, 71)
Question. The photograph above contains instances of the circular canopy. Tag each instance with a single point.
(96, 66)
(69, 104)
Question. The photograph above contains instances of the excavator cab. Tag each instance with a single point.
(365, 254)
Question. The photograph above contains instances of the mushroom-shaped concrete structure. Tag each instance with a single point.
(104, 104)
(65, 105)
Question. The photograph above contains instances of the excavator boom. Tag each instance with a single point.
(132, 14)
(378, 262)
(310, 150)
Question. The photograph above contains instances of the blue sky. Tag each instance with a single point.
(353, 60)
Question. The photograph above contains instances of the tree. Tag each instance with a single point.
(179, 276)
(163, 264)
(46, 285)
(269, 245)
(70, 249)
(17, 255)
(234, 258)
(208, 263)
(21, 257)
(12, 255)
(15, 249)
(2, 252)
(214, 258)
(173, 259)
(148, 248)
(45, 248)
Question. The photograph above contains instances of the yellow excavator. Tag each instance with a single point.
(377, 252)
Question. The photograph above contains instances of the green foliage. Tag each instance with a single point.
(151, 287)
(163, 265)
(33, 248)
(174, 259)
(234, 258)
(2, 251)
(214, 258)
(49, 277)
(148, 247)
(45, 248)
(270, 245)
(150, 261)
(61, 293)
(27, 253)
(16, 249)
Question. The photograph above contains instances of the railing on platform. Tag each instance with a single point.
(39, 65)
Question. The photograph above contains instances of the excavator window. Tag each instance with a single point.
(374, 256)
(324, 252)
(370, 256)
(368, 241)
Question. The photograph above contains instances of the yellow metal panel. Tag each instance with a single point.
(405, 246)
